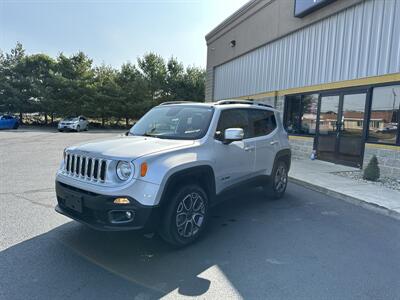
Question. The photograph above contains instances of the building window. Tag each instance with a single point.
(301, 114)
(385, 114)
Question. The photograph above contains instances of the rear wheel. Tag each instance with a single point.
(186, 216)
(16, 125)
(276, 186)
(78, 128)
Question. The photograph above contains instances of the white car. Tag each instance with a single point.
(73, 123)
(175, 163)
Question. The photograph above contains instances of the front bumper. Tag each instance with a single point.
(99, 211)
(67, 126)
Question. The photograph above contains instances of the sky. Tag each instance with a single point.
(114, 32)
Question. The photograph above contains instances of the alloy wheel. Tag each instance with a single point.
(281, 178)
(190, 215)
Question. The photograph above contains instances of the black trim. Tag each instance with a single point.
(96, 210)
(283, 154)
(195, 174)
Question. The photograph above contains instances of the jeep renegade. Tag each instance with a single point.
(171, 167)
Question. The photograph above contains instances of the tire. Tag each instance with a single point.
(277, 184)
(16, 125)
(87, 128)
(78, 128)
(186, 216)
(59, 130)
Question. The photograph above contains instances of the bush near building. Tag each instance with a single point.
(372, 172)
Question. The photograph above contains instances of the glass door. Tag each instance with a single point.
(341, 122)
(351, 141)
(327, 129)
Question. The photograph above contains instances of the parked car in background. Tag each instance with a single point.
(8, 122)
(73, 123)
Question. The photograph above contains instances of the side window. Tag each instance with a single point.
(233, 118)
(263, 122)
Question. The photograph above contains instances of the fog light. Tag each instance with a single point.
(119, 216)
(122, 201)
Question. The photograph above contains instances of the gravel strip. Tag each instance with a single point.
(390, 183)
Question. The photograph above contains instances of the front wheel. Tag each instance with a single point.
(186, 216)
(276, 186)
(78, 128)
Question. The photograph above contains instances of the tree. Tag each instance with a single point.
(154, 72)
(74, 84)
(71, 85)
(135, 98)
(107, 92)
(14, 87)
(38, 70)
(174, 80)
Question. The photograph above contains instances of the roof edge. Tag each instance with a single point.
(240, 12)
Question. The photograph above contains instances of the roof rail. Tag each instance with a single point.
(175, 102)
(224, 102)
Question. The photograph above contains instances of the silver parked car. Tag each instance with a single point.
(73, 123)
(175, 163)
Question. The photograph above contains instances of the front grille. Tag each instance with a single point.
(85, 167)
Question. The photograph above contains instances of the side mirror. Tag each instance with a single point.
(233, 134)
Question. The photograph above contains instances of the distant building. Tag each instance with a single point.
(332, 68)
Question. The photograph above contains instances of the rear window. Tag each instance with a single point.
(263, 122)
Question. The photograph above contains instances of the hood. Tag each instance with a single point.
(130, 147)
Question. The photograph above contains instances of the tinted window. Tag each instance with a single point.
(301, 114)
(385, 114)
(263, 122)
(233, 118)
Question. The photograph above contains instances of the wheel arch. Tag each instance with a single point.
(203, 175)
(284, 155)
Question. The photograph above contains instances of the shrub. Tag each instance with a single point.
(372, 172)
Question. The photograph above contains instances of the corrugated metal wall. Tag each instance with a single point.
(361, 41)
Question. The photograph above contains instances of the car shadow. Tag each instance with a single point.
(247, 251)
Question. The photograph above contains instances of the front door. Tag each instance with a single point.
(341, 122)
(235, 161)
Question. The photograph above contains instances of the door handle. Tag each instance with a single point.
(274, 142)
(249, 148)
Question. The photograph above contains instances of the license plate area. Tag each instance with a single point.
(74, 203)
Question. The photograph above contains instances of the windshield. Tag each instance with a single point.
(174, 122)
(70, 119)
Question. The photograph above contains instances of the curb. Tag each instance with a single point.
(350, 199)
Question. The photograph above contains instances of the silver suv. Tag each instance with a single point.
(172, 167)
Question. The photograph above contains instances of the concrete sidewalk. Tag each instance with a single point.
(318, 175)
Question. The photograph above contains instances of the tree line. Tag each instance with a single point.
(73, 85)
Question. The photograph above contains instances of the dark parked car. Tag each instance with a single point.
(8, 122)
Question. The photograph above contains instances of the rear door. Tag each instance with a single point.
(266, 139)
(234, 161)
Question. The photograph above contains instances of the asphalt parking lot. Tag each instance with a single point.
(304, 246)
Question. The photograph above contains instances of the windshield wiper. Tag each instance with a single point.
(151, 135)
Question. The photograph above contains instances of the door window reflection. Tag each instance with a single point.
(385, 114)
(328, 115)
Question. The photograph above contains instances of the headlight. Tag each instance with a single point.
(124, 170)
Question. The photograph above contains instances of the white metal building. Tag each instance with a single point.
(333, 67)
